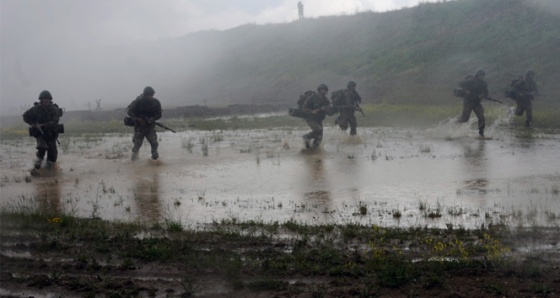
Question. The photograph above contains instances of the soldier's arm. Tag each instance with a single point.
(28, 117)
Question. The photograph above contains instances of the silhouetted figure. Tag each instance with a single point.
(300, 10)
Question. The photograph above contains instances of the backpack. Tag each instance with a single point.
(303, 97)
(60, 110)
(298, 112)
(511, 92)
(337, 98)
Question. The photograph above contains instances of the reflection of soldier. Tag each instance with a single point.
(48, 192)
(314, 108)
(300, 10)
(349, 100)
(43, 118)
(476, 89)
(147, 198)
(145, 110)
(525, 88)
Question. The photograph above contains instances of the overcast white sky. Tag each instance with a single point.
(61, 27)
(81, 22)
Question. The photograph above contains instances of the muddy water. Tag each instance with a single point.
(391, 177)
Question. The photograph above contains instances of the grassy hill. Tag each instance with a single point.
(410, 55)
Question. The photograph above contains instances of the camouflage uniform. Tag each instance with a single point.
(48, 116)
(524, 90)
(145, 112)
(350, 99)
(476, 89)
(318, 103)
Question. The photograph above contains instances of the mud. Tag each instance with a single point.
(390, 177)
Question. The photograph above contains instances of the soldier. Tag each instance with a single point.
(43, 118)
(476, 89)
(314, 107)
(525, 89)
(145, 110)
(348, 103)
(300, 10)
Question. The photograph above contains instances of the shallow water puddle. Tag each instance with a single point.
(390, 177)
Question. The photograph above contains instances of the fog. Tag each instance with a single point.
(86, 51)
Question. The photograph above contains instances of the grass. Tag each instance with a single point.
(384, 114)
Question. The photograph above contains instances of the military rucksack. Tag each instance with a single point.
(298, 112)
(303, 97)
(338, 98)
(60, 110)
(511, 92)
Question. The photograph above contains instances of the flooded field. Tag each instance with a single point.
(442, 177)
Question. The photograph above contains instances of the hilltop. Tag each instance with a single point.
(409, 55)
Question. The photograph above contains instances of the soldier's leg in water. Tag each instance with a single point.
(520, 107)
(353, 124)
(137, 139)
(529, 112)
(151, 136)
(310, 135)
(343, 121)
(317, 127)
(52, 153)
(479, 112)
(41, 150)
(467, 109)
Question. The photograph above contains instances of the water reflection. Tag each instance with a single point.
(146, 196)
(476, 166)
(48, 195)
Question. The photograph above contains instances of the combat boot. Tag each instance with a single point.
(49, 165)
(528, 124)
(134, 156)
(481, 132)
(37, 164)
(306, 142)
(155, 155)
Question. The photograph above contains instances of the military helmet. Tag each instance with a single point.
(529, 73)
(351, 84)
(45, 94)
(479, 73)
(322, 86)
(149, 91)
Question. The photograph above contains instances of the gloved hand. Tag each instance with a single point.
(150, 121)
(140, 121)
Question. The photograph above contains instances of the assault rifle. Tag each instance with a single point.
(491, 99)
(356, 107)
(146, 119)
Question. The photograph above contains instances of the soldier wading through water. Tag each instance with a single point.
(145, 110)
(347, 101)
(524, 91)
(43, 118)
(476, 89)
(314, 108)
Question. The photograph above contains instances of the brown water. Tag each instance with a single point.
(390, 177)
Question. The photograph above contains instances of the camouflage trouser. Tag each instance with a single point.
(316, 133)
(473, 106)
(345, 118)
(148, 132)
(48, 146)
(525, 105)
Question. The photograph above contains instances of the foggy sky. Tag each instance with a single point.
(36, 33)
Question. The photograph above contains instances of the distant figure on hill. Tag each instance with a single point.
(475, 89)
(347, 102)
(315, 107)
(300, 10)
(524, 90)
(145, 110)
(43, 118)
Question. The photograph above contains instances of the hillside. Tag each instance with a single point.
(415, 54)
(410, 55)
